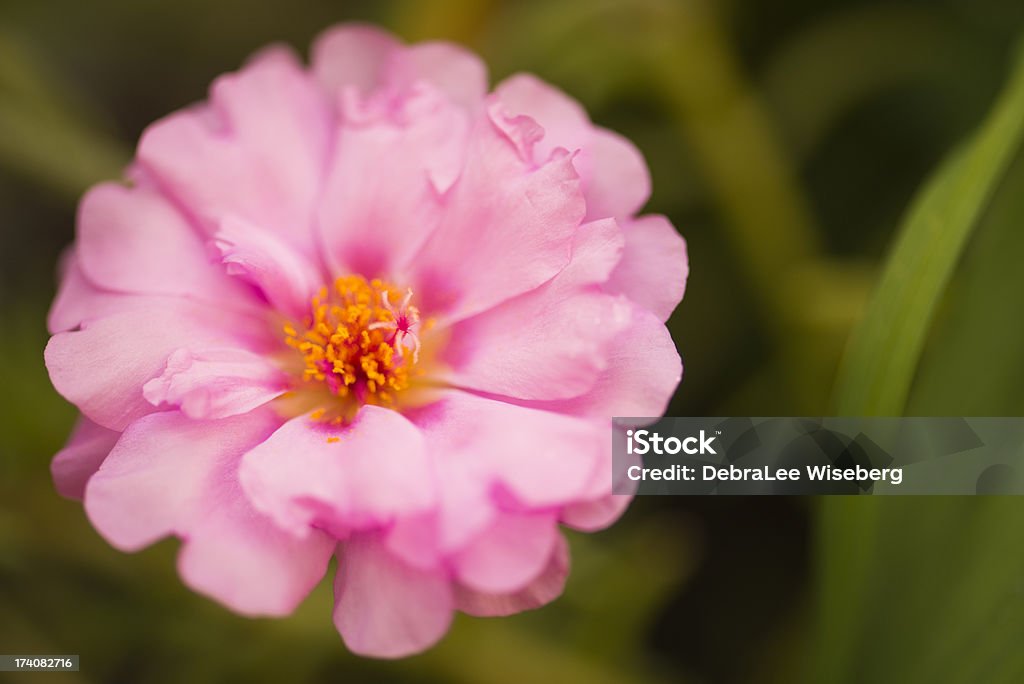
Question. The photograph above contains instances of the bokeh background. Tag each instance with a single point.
(849, 178)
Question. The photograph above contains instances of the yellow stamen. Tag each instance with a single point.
(352, 342)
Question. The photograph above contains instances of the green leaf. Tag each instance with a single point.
(883, 354)
(915, 589)
(973, 363)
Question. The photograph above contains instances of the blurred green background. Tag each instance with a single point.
(850, 180)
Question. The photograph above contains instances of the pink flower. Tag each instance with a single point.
(365, 309)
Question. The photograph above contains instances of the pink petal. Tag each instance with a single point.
(643, 372)
(385, 608)
(73, 465)
(286, 277)
(564, 121)
(366, 58)
(102, 368)
(359, 476)
(615, 178)
(79, 300)
(459, 73)
(153, 482)
(134, 240)
(240, 558)
(509, 555)
(465, 507)
(617, 181)
(507, 228)
(599, 507)
(551, 342)
(171, 475)
(352, 56)
(216, 383)
(542, 459)
(591, 516)
(376, 214)
(545, 588)
(415, 539)
(654, 267)
(257, 151)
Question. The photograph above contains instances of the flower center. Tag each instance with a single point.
(360, 340)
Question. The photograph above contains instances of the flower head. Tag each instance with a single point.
(365, 309)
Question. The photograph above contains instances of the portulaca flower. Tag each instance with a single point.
(365, 309)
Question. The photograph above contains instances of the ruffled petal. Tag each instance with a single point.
(360, 476)
(169, 475)
(216, 383)
(352, 56)
(457, 72)
(133, 240)
(509, 555)
(591, 516)
(541, 459)
(609, 491)
(79, 300)
(464, 508)
(366, 58)
(552, 342)
(73, 465)
(542, 462)
(545, 588)
(616, 182)
(102, 368)
(654, 267)
(256, 151)
(643, 372)
(507, 228)
(285, 277)
(564, 121)
(386, 608)
(151, 484)
(376, 214)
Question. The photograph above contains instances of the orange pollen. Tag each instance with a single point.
(356, 342)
